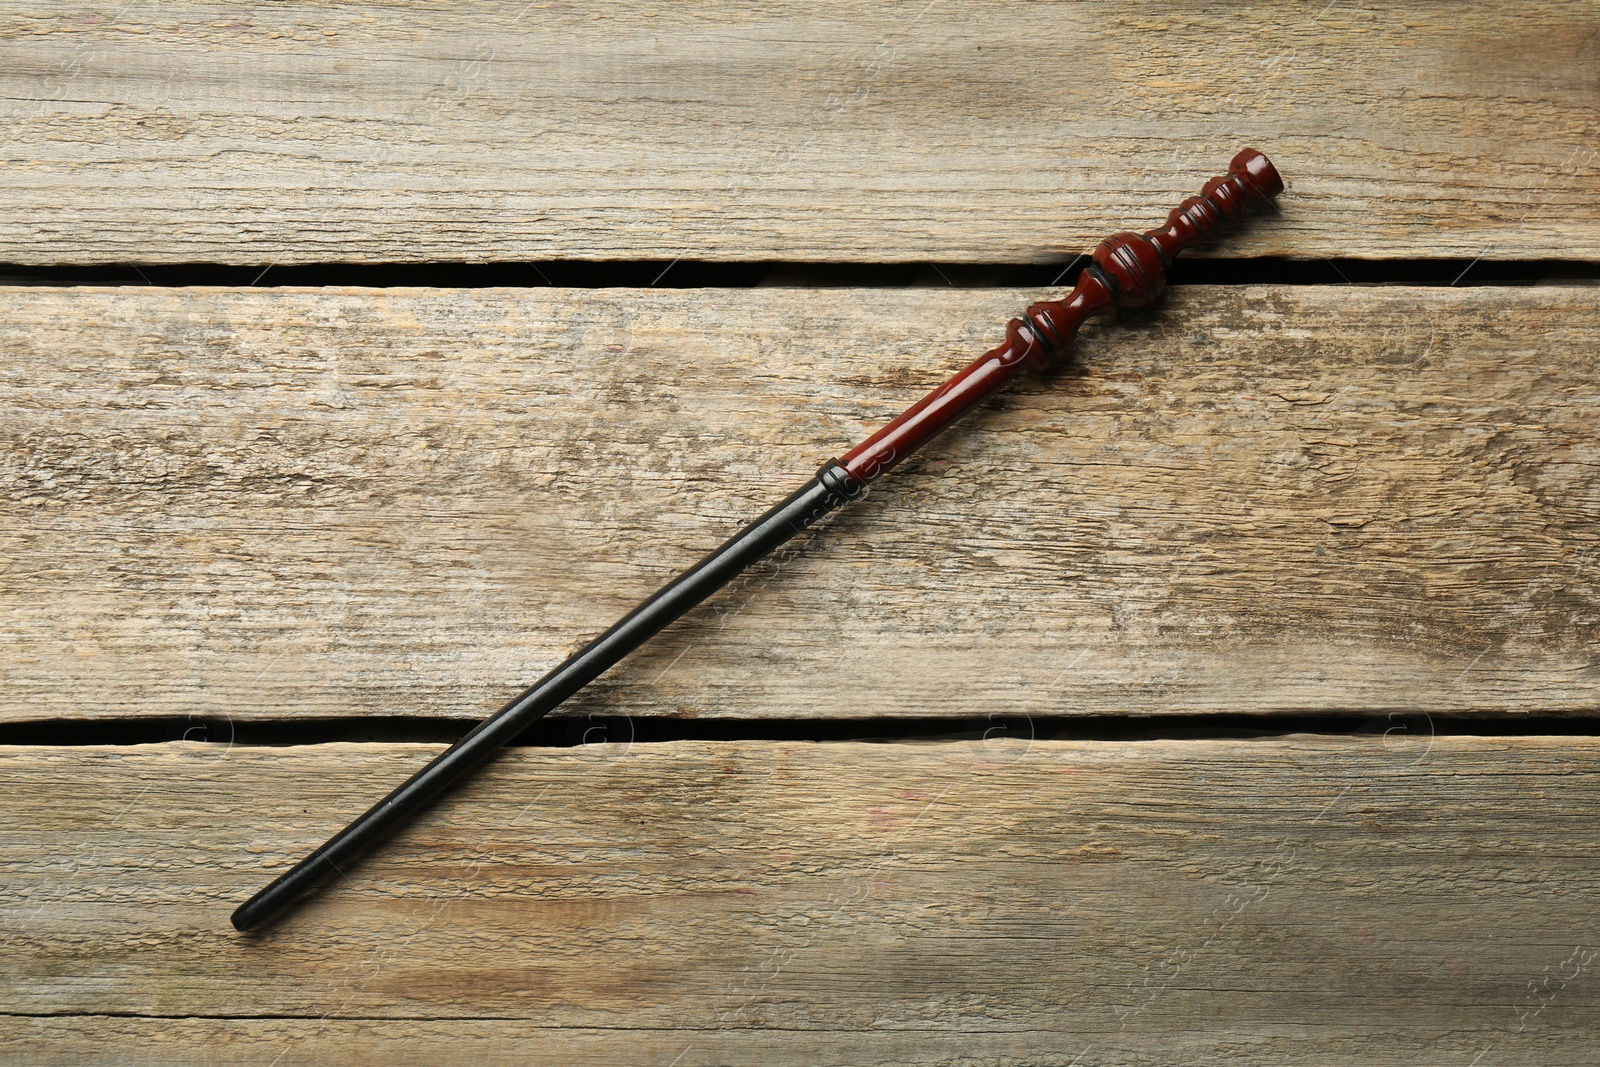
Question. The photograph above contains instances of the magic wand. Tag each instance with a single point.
(1128, 270)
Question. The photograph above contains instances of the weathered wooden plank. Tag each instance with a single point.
(76, 1040)
(260, 504)
(1338, 900)
(301, 132)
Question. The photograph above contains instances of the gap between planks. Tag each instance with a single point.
(560, 730)
(699, 274)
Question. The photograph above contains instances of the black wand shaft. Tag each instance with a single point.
(831, 488)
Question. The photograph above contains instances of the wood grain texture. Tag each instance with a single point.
(1308, 900)
(266, 504)
(513, 130)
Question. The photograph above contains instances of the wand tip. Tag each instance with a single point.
(259, 909)
(242, 920)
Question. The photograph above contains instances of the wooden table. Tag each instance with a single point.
(1230, 698)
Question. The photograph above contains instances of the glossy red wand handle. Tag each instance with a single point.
(1128, 270)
